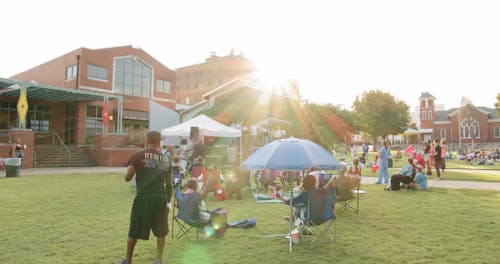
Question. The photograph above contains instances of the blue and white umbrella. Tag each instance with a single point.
(291, 154)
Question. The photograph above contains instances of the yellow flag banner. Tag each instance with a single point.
(22, 107)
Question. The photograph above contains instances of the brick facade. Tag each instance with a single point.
(195, 80)
(446, 123)
(53, 73)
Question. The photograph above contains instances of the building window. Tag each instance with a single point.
(187, 100)
(469, 128)
(497, 132)
(71, 72)
(8, 115)
(424, 115)
(178, 88)
(187, 75)
(96, 72)
(426, 102)
(429, 116)
(443, 133)
(93, 121)
(39, 118)
(198, 86)
(163, 86)
(187, 87)
(133, 77)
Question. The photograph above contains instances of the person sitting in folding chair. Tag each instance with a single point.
(312, 208)
(343, 189)
(192, 209)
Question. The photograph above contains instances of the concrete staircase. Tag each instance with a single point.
(50, 156)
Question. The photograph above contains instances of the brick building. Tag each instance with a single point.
(195, 80)
(119, 71)
(66, 96)
(466, 124)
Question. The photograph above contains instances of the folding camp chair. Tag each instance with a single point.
(345, 194)
(188, 216)
(317, 218)
(355, 187)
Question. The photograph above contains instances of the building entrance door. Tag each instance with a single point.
(70, 124)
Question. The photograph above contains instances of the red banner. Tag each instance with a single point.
(105, 115)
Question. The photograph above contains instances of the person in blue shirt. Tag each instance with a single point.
(383, 169)
(421, 179)
(405, 175)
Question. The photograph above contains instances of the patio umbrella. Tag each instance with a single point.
(290, 154)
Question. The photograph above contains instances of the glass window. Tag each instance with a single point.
(38, 118)
(96, 72)
(430, 115)
(133, 77)
(187, 100)
(469, 128)
(71, 72)
(443, 133)
(424, 115)
(497, 132)
(163, 86)
(93, 121)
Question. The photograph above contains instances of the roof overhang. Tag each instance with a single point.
(425, 131)
(51, 94)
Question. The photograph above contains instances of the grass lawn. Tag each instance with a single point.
(84, 219)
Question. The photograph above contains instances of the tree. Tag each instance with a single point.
(380, 114)
(498, 104)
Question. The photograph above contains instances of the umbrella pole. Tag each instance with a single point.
(291, 219)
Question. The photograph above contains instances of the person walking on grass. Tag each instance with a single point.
(427, 157)
(437, 158)
(383, 167)
(154, 190)
(443, 154)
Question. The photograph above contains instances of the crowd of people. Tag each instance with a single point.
(186, 170)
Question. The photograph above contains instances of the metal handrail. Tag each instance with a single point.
(90, 141)
(62, 145)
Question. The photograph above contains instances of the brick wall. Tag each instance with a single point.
(112, 150)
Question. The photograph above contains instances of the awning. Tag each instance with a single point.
(45, 93)
(50, 94)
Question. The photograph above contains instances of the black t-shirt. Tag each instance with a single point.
(153, 172)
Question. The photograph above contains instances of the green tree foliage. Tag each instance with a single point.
(323, 124)
(380, 114)
(498, 104)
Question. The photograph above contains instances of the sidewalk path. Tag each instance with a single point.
(365, 180)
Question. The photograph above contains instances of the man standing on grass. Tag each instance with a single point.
(154, 190)
(437, 158)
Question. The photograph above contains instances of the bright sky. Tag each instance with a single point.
(336, 49)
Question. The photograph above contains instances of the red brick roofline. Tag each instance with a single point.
(81, 49)
(217, 59)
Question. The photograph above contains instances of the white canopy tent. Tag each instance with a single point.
(206, 126)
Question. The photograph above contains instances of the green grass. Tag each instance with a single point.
(84, 219)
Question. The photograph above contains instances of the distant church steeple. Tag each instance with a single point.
(427, 110)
